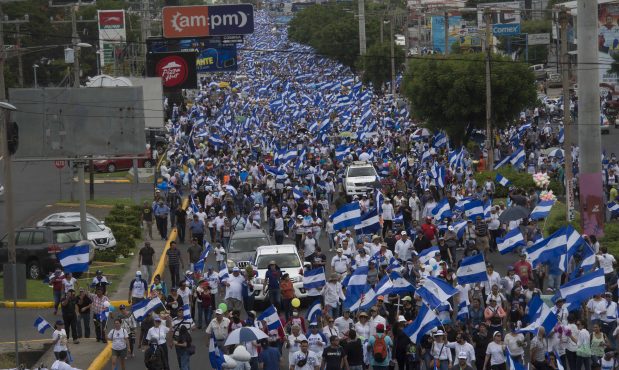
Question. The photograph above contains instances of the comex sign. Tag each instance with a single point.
(202, 20)
(506, 29)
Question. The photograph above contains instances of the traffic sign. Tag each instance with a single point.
(506, 29)
(59, 164)
(207, 20)
(538, 38)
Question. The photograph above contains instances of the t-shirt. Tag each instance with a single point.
(497, 355)
(118, 338)
(310, 363)
(68, 284)
(270, 358)
(273, 277)
(157, 333)
(354, 352)
(61, 365)
(333, 357)
(147, 254)
(61, 345)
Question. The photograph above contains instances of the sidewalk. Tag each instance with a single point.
(84, 352)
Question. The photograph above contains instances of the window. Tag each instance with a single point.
(23, 238)
(38, 237)
(67, 236)
(246, 245)
(361, 171)
(282, 260)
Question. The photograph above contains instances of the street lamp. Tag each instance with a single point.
(35, 67)
(76, 61)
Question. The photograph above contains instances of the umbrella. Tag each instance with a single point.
(346, 134)
(513, 213)
(556, 153)
(245, 334)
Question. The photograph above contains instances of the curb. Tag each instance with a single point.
(41, 305)
(71, 204)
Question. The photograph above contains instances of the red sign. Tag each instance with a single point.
(111, 19)
(173, 70)
(185, 21)
(59, 164)
(177, 70)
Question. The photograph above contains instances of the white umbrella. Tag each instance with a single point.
(245, 334)
(556, 153)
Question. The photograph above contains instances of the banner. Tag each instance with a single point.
(176, 69)
(438, 32)
(112, 34)
(221, 59)
(608, 40)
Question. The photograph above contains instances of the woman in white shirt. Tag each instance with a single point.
(59, 338)
(362, 327)
(583, 342)
(120, 342)
(495, 353)
(441, 353)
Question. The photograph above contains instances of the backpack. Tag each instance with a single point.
(154, 358)
(380, 349)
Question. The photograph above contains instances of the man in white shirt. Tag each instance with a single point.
(344, 323)
(493, 279)
(234, 290)
(375, 319)
(607, 261)
(340, 263)
(388, 215)
(309, 244)
(218, 328)
(464, 349)
(403, 247)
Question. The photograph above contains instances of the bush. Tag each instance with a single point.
(107, 255)
(611, 238)
(123, 248)
(517, 178)
(556, 219)
(123, 231)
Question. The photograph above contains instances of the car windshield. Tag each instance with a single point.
(64, 236)
(91, 227)
(246, 244)
(361, 171)
(282, 260)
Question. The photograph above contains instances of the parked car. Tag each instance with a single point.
(100, 235)
(36, 247)
(288, 260)
(243, 246)
(538, 71)
(61, 216)
(122, 163)
(554, 80)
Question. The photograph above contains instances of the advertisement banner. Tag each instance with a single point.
(608, 40)
(161, 45)
(222, 59)
(176, 69)
(112, 33)
(207, 20)
(502, 15)
(438, 32)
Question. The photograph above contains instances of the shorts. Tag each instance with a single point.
(121, 353)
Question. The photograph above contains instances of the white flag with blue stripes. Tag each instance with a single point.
(314, 279)
(428, 253)
(503, 181)
(314, 311)
(370, 223)
(186, 311)
(472, 270)
(582, 288)
(613, 208)
(75, 259)
(548, 249)
(41, 325)
(271, 317)
(141, 309)
(426, 320)
(442, 210)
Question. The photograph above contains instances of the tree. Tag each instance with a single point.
(376, 64)
(449, 92)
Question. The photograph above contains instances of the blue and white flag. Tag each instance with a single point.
(341, 152)
(355, 296)
(472, 270)
(186, 311)
(141, 309)
(440, 140)
(613, 208)
(215, 355)
(425, 321)
(518, 157)
(473, 209)
(74, 259)
(41, 325)
(548, 249)
(503, 181)
(379, 199)
(297, 193)
(346, 216)
(223, 274)
(542, 210)
(428, 253)
(314, 311)
(582, 288)
(271, 317)
(547, 319)
(534, 309)
(513, 364)
(442, 210)
(501, 163)
(231, 189)
(199, 265)
(435, 291)
(399, 285)
(359, 277)
(460, 228)
(103, 315)
(512, 240)
(370, 223)
(314, 279)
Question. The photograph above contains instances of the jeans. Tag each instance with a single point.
(279, 237)
(85, 319)
(275, 297)
(571, 359)
(148, 230)
(287, 308)
(180, 228)
(554, 281)
(205, 313)
(225, 240)
(174, 274)
(183, 358)
(100, 330)
(248, 303)
(148, 271)
(57, 298)
(70, 322)
(583, 361)
(162, 226)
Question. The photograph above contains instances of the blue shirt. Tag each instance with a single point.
(273, 277)
(270, 358)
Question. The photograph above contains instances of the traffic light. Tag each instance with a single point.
(12, 134)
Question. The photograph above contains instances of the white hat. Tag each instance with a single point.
(439, 332)
(403, 233)
(219, 312)
(401, 319)
(462, 355)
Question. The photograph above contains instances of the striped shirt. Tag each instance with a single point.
(174, 256)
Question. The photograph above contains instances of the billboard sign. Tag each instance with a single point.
(508, 29)
(112, 33)
(538, 39)
(438, 31)
(608, 41)
(207, 20)
(160, 45)
(177, 69)
(502, 13)
(221, 59)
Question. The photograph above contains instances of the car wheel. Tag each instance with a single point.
(148, 164)
(111, 168)
(33, 270)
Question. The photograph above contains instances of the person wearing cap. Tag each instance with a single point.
(59, 339)
(161, 211)
(146, 258)
(388, 215)
(234, 290)
(378, 358)
(217, 226)
(272, 279)
(403, 247)
(495, 353)
(333, 295)
(69, 313)
(100, 281)
(317, 341)
(340, 263)
(83, 310)
(130, 324)
(462, 363)
(440, 352)
(161, 333)
(137, 289)
(196, 229)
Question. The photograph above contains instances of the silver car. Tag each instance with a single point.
(243, 245)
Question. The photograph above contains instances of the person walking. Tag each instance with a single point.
(60, 339)
(184, 348)
(194, 252)
(181, 222)
(162, 211)
(83, 308)
(196, 229)
(147, 220)
(174, 201)
(130, 324)
(69, 313)
(159, 332)
(99, 303)
(379, 349)
(175, 263)
(145, 259)
(334, 357)
(120, 343)
(137, 289)
(272, 282)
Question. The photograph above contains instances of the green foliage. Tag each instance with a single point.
(538, 54)
(611, 238)
(125, 224)
(449, 92)
(376, 64)
(556, 219)
(518, 179)
(108, 255)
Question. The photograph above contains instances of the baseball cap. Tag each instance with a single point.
(439, 333)
(403, 233)
(380, 328)
(347, 232)
(401, 319)
(407, 298)
(462, 355)
(235, 269)
(339, 250)
(157, 318)
(219, 312)
(138, 272)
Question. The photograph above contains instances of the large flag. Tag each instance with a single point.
(41, 325)
(346, 216)
(426, 320)
(428, 253)
(314, 311)
(75, 259)
(186, 311)
(474, 208)
(314, 278)
(541, 210)
(582, 288)
(513, 364)
(214, 354)
(534, 309)
(435, 291)
(141, 309)
(548, 249)
(547, 319)
(442, 210)
(370, 223)
(613, 208)
(472, 270)
(199, 265)
(400, 285)
(271, 317)
(223, 274)
(512, 240)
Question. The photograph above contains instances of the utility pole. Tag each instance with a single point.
(146, 31)
(362, 41)
(20, 67)
(392, 46)
(567, 130)
(446, 32)
(589, 136)
(489, 141)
